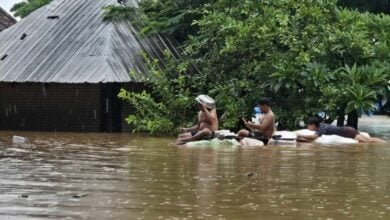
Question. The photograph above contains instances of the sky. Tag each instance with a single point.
(7, 4)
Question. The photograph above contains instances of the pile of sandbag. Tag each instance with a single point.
(281, 138)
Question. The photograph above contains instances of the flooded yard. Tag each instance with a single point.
(120, 176)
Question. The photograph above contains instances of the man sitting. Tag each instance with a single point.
(266, 128)
(207, 122)
(326, 129)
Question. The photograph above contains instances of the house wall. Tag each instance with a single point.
(49, 107)
(63, 107)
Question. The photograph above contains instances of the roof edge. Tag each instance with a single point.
(8, 15)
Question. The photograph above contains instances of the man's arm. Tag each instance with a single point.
(310, 137)
(267, 122)
(210, 115)
(193, 128)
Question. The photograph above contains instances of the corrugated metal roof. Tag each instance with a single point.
(6, 20)
(78, 47)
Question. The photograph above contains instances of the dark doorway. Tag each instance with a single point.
(111, 108)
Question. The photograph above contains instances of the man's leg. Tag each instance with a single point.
(377, 140)
(185, 135)
(198, 136)
(362, 138)
(182, 136)
(243, 133)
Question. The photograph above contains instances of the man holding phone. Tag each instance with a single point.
(266, 128)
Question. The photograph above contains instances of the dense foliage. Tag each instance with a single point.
(173, 106)
(24, 8)
(308, 56)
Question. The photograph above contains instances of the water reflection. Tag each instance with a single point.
(99, 176)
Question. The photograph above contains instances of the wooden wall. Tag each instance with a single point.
(49, 107)
(62, 107)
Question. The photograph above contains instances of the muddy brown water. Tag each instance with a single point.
(120, 176)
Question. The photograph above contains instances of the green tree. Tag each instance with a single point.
(356, 89)
(167, 104)
(292, 51)
(23, 9)
(172, 17)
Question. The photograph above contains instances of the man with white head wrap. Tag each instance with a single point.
(207, 122)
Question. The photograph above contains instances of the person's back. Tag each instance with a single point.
(326, 129)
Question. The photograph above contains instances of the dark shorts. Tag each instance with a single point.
(259, 136)
(204, 138)
(349, 132)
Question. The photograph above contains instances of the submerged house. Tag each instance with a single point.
(62, 67)
(6, 20)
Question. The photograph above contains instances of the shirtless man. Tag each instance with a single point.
(326, 129)
(266, 128)
(207, 122)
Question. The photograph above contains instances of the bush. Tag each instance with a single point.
(167, 105)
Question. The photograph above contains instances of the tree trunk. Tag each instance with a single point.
(352, 120)
(340, 120)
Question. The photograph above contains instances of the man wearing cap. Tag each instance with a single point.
(266, 128)
(207, 122)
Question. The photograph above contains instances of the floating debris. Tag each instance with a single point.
(78, 196)
(250, 174)
(18, 139)
(24, 196)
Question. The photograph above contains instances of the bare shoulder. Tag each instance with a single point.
(214, 114)
(270, 115)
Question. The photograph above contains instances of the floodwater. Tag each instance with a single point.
(101, 176)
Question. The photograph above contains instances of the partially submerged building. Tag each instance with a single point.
(6, 20)
(61, 68)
